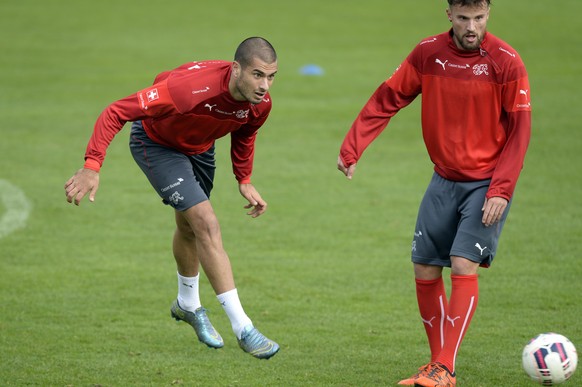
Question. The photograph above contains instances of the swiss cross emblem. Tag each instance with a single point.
(152, 95)
(242, 113)
(479, 69)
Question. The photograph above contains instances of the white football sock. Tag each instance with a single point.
(188, 295)
(234, 310)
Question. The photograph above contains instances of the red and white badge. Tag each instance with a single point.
(152, 95)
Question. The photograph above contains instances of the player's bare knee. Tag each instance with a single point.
(208, 229)
(463, 266)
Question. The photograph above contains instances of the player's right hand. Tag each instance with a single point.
(82, 182)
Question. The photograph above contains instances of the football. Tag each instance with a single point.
(549, 359)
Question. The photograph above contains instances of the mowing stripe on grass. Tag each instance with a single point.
(17, 208)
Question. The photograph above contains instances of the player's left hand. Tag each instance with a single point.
(256, 202)
(348, 171)
(493, 209)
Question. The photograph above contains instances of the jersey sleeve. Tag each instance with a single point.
(392, 95)
(242, 141)
(242, 152)
(154, 101)
(517, 105)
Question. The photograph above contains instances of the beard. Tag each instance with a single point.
(248, 94)
(470, 46)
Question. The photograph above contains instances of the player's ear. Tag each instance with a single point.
(236, 69)
(448, 11)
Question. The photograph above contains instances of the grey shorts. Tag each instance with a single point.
(182, 181)
(449, 224)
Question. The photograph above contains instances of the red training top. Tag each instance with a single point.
(476, 111)
(186, 109)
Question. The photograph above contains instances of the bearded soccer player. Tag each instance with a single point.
(175, 124)
(476, 124)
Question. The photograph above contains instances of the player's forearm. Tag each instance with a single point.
(108, 124)
(512, 157)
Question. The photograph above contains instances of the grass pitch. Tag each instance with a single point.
(85, 292)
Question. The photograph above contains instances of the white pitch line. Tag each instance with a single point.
(17, 208)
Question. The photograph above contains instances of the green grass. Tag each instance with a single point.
(85, 292)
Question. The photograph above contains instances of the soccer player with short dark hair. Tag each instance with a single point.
(476, 124)
(175, 124)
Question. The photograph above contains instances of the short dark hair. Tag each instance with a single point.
(469, 3)
(255, 47)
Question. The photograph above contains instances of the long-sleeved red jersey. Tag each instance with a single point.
(476, 111)
(186, 109)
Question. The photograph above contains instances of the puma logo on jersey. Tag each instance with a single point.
(209, 106)
(441, 62)
(524, 92)
(477, 245)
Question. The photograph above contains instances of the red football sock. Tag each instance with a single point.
(462, 305)
(432, 305)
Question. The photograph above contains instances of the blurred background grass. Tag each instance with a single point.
(85, 292)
